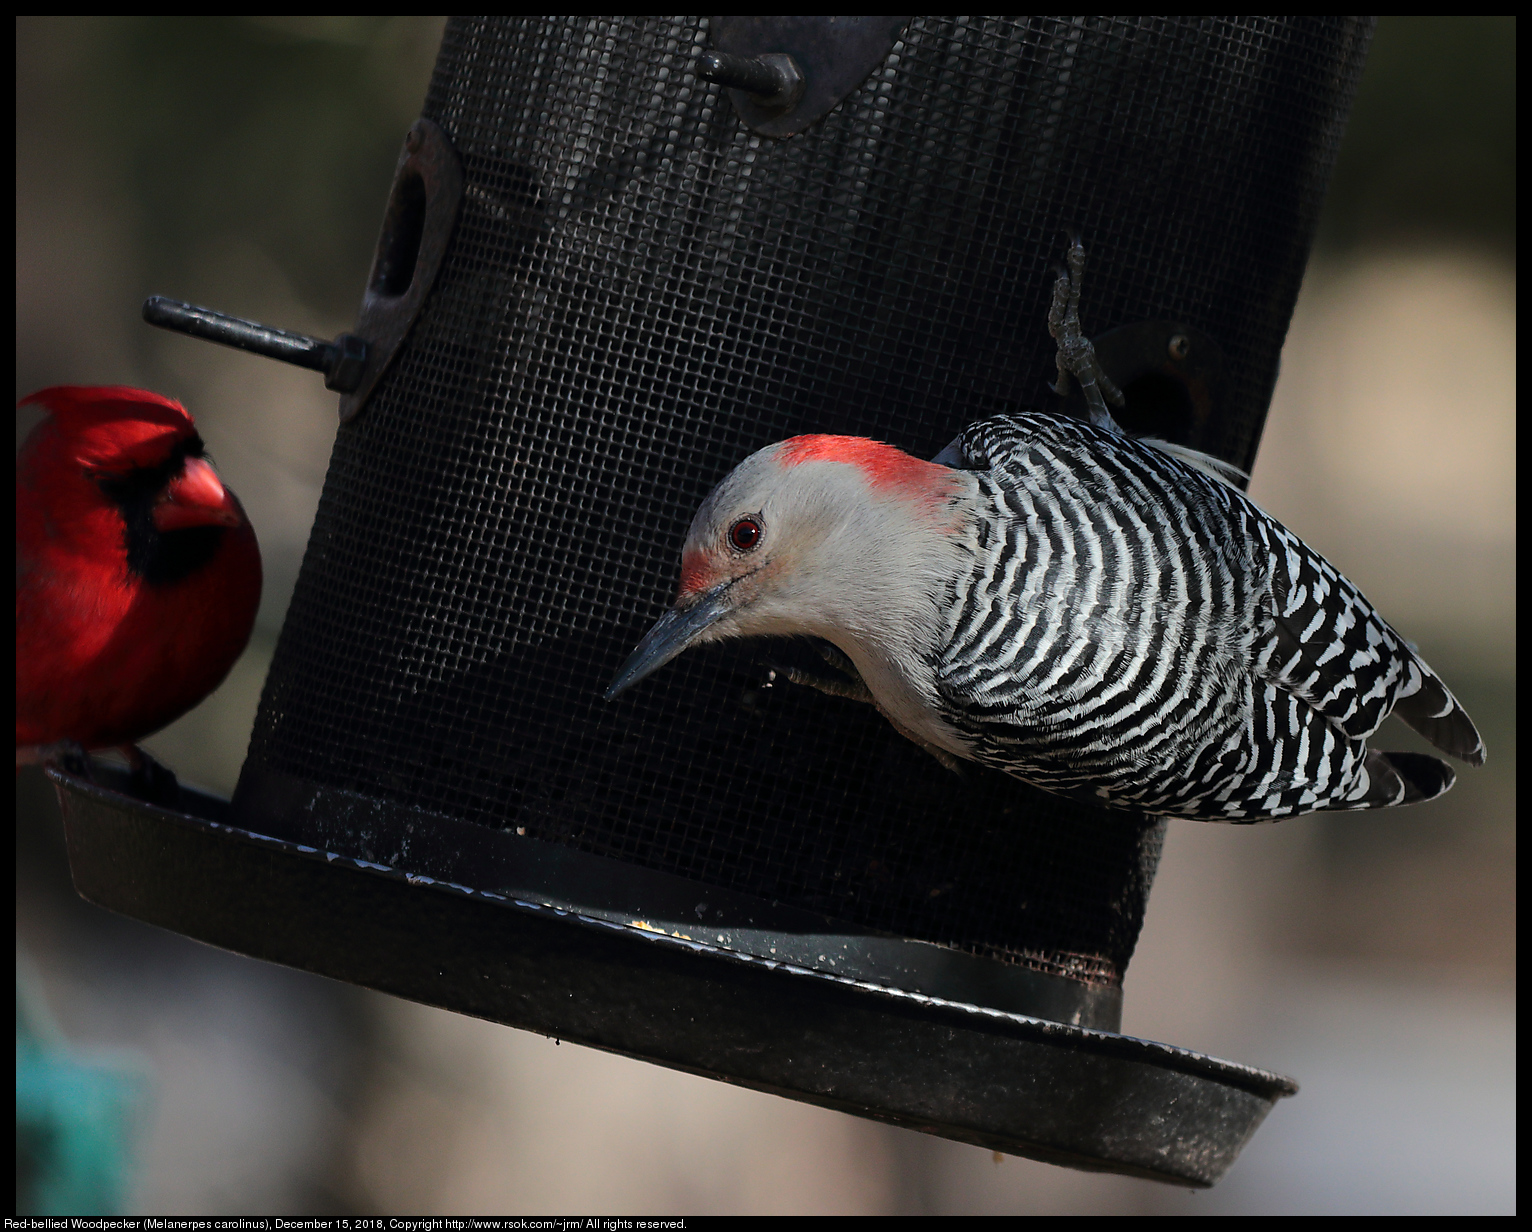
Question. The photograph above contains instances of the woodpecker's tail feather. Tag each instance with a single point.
(1436, 715)
(1403, 778)
(1424, 777)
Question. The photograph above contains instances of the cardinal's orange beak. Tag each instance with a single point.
(196, 497)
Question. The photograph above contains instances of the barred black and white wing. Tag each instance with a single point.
(1332, 649)
(1138, 632)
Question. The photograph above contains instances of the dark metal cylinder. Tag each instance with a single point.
(741, 73)
(639, 292)
(282, 344)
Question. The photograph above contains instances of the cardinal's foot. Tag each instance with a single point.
(151, 780)
(67, 755)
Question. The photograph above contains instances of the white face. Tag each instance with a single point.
(732, 534)
(758, 532)
(818, 535)
(741, 552)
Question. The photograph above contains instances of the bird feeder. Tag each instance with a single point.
(621, 254)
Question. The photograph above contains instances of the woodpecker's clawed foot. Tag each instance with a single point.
(846, 683)
(941, 755)
(1076, 356)
(150, 779)
(838, 659)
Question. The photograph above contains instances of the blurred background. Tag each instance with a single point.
(243, 163)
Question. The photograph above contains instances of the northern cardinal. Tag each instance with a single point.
(137, 572)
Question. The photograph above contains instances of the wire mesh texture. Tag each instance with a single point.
(640, 291)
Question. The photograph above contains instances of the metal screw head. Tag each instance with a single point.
(1180, 346)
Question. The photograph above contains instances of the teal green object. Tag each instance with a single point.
(75, 1116)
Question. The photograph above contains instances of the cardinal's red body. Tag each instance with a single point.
(137, 572)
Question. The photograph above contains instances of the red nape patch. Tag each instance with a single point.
(694, 573)
(883, 465)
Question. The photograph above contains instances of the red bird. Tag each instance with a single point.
(137, 571)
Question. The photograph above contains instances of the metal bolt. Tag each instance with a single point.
(773, 79)
(1180, 346)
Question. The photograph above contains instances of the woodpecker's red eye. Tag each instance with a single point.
(745, 534)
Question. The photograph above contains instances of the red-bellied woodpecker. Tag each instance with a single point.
(1103, 617)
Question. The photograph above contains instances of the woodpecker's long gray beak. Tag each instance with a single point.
(672, 633)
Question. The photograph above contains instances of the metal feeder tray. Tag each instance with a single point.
(575, 965)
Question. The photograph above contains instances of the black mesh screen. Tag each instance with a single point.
(640, 292)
